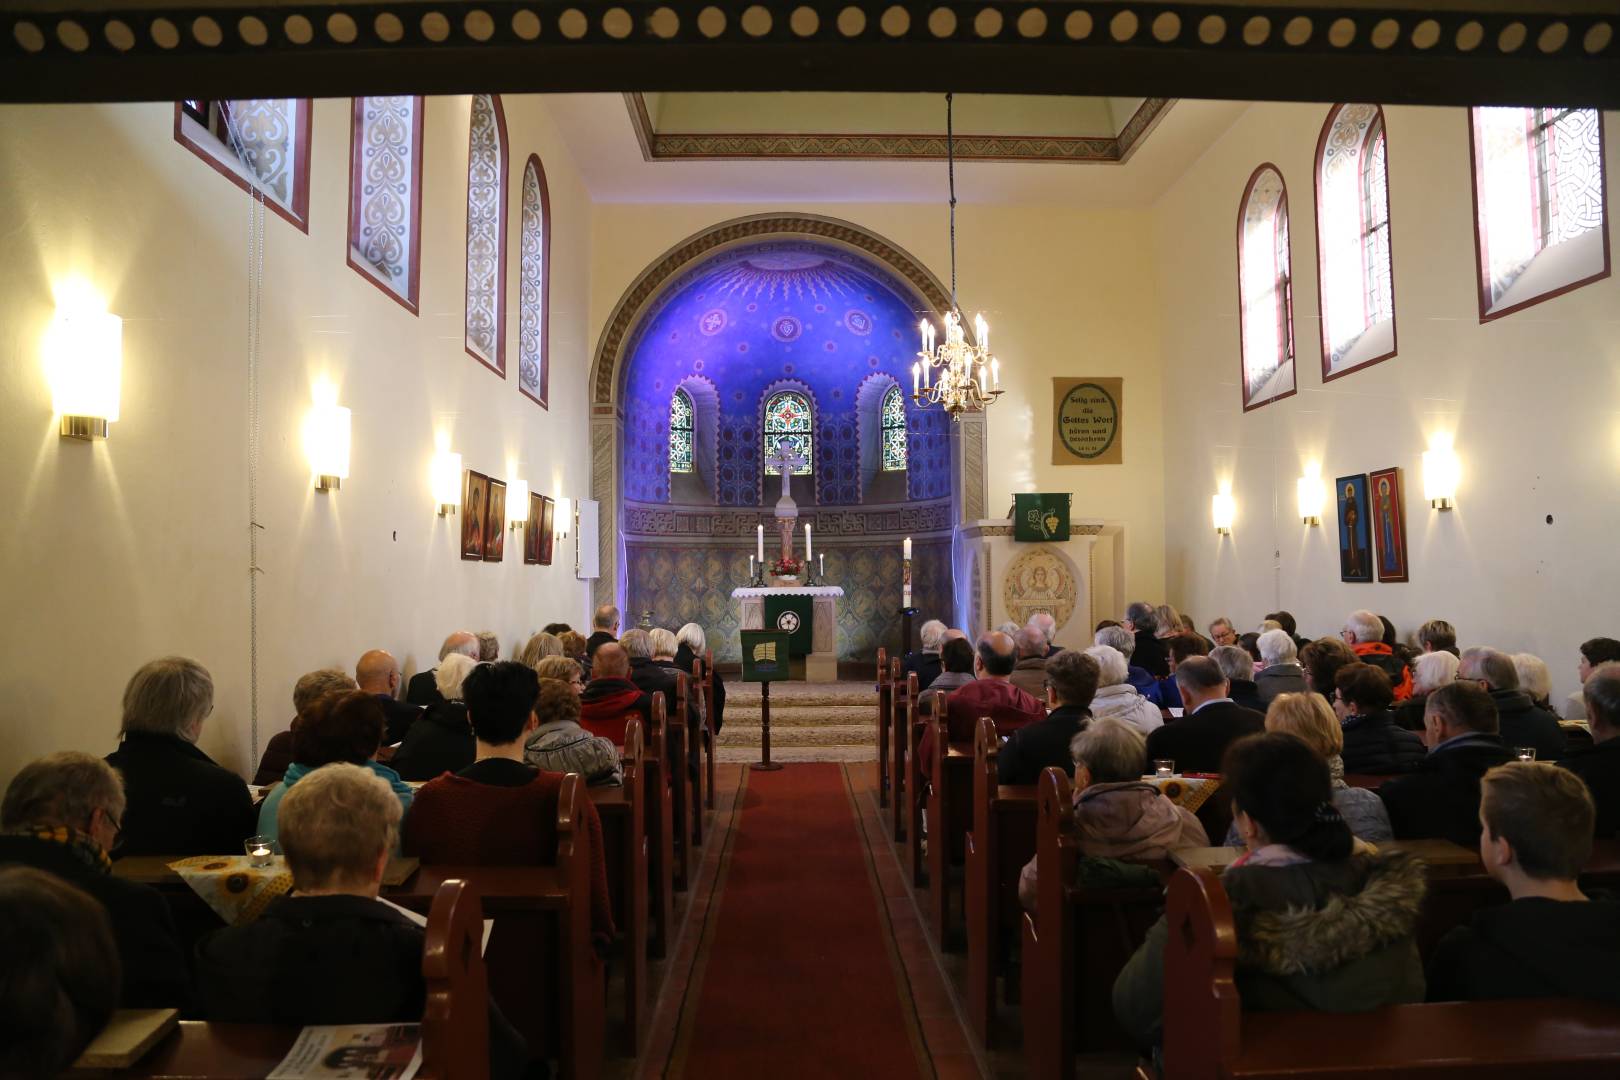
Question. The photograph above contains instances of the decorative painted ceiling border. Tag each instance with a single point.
(765, 146)
(1464, 52)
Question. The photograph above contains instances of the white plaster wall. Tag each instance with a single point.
(116, 552)
(1532, 400)
(1066, 291)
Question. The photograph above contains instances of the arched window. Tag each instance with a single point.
(788, 425)
(1353, 248)
(534, 286)
(1538, 200)
(486, 233)
(1265, 289)
(894, 431)
(680, 432)
(385, 195)
(259, 144)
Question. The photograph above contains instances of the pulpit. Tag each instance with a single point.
(1076, 580)
(821, 663)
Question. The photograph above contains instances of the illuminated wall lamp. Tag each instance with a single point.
(1311, 494)
(84, 355)
(517, 503)
(326, 442)
(1222, 509)
(445, 479)
(1440, 472)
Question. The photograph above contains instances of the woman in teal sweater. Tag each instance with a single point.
(341, 727)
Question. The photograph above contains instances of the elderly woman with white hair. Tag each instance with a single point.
(1430, 671)
(925, 662)
(179, 801)
(1280, 672)
(692, 643)
(1122, 640)
(441, 740)
(1116, 697)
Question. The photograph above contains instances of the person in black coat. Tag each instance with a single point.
(1440, 798)
(926, 662)
(1551, 939)
(1519, 721)
(377, 673)
(1149, 652)
(1238, 667)
(441, 740)
(1071, 683)
(178, 802)
(693, 645)
(340, 957)
(1373, 742)
(423, 689)
(61, 815)
(1599, 764)
(1198, 739)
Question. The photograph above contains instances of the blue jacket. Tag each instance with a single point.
(295, 772)
(1145, 684)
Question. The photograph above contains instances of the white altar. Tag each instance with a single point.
(821, 665)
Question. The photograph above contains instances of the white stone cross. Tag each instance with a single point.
(785, 459)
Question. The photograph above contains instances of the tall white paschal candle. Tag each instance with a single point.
(905, 574)
(807, 543)
(905, 549)
(761, 535)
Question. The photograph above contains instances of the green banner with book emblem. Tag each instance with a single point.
(1041, 516)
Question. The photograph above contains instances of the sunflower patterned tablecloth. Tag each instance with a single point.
(1189, 792)
(237, 891)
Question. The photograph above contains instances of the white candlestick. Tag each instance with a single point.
(761, 535)
(750, 568)
(905, 548)
(823, 558)
(807, 541)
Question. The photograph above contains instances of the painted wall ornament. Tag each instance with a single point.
(1041, 580)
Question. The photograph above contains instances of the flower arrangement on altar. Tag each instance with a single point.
(787, 566)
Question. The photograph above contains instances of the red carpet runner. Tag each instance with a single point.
(798, 979)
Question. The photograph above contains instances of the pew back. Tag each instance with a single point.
(1000, 842)
(885, 690)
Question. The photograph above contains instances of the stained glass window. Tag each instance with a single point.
(680, 432)
(385, 194)
(894, 430)
(262, 144)
(533, 283)
(788, 427)
(1265, 290)
(486, 232)
(1352, 221)
(1538, 194)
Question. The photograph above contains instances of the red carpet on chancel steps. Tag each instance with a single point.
(798, 980)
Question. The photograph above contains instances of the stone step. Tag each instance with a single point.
(743, 714)
(790, 754)
(829, 735)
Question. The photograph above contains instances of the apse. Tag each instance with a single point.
(781, 340)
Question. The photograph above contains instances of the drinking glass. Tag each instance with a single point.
(261, 850)
(1164, 768)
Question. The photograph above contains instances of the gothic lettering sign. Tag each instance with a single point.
(1088, 421)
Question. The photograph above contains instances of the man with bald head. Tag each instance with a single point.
(610, 695)
(604, 628)
(378, 673)
(991, 694)
(423, 691)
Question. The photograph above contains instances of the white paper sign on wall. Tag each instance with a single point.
(587, 559)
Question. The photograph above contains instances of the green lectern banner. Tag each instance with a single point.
(1043, 516)
(793, 615)
(764, 655)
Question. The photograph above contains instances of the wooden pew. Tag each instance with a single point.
(1074, 945)
(455, 1022)
(1207, 1035)
(950, 808)
(660, 830)
(916, 793)
(885, 689)
(697, 739)
(543, 969)
(680, 826)
(624, 831)
(710, 732)
(1001, 841)
(899, 782)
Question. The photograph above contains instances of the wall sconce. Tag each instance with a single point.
(1222, 509)
(326, 442)
(517, 503)
(1311, 495)
(84, 357)
(1440, 472)
(445, 478)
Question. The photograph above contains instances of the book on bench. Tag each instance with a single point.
(127, 1038)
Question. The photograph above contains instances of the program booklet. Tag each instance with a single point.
(353, 1052)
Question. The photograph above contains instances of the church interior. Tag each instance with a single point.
(1308, 313)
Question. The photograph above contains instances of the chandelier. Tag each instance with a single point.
(957, 375)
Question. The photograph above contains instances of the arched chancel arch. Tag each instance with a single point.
(607, 414)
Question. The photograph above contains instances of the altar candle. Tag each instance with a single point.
(750, 568)
(807, 541)
(905, 549)
(761, 536)
(823, 560)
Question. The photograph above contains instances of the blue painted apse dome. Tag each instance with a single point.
(786, 314)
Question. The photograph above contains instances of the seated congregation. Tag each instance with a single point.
(477, 767)
(1342, 773)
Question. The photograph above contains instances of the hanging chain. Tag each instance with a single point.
(950, 172)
